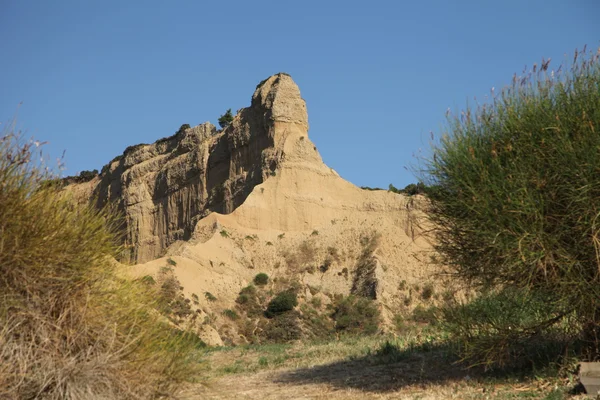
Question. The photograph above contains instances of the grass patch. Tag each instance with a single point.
(69, 326)
(209, 296)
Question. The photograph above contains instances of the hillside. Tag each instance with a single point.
(213, 208)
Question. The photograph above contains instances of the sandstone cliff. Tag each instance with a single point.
(165, 188)
(256, 197)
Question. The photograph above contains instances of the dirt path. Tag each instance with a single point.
(355, 369)
(294, 385)
(355, 381)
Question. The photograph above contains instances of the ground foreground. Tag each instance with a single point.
(362, 368)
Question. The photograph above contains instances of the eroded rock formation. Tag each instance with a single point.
(164, 188)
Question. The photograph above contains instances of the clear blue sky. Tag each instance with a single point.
(97, 76)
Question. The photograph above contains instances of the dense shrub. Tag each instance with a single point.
(85, 176)
(283, 328)
(510, 327)
(231, 314)
(209, 296)
(69, 327)
(427, 291)
(518, 197)
(284, 301)
(183, 128)
(261, 279)
(425, 315)
(226, 119)
(248, 301)
(170, 299)
(410, 190)
(356, 314)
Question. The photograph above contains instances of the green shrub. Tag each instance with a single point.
(518, 193)
(85, 176)
(394, 189)
(370, 188)
(355, 314)
(209, 296)
(427, 291)
(226, 119)
(232, 315)
(170, 300)
(183, 128)
(246, 295)
(284, 301)
(426, 315)
(261, 279)
(504, 328)
(243, 299)
(315, 324)
(172, 262)
(249, 290)
(248, 301)
(283, 328)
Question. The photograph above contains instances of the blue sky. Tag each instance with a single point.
(97, 76)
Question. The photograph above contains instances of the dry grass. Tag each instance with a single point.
(71, 329)
(417, 365)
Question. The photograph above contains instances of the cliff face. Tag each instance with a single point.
(163, 189)
(256, 197)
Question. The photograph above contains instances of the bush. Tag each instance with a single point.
(69, 326)
(85, 176)
(425, 315)
(427, 291)
(209, 296)
(283, 328)
(248, 301)
(261, 279)
(226, 119)
(182, 128)
(284, 301)
(504, 328)
(355, 314)
(518, 193)
(232, 315)
(170, 300)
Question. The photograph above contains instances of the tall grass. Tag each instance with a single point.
(69, 327)
(517, 200)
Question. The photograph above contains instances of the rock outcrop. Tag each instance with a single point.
(222, 206)
(163, 189)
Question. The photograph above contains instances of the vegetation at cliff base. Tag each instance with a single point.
(70, 328)
(516, 214)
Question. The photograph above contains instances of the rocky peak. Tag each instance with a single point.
(280, 97)
(164, 188)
